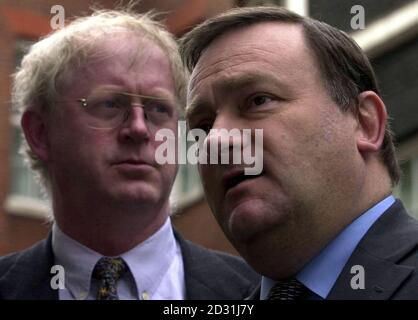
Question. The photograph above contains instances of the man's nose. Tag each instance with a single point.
(135, 127)
(224, 138)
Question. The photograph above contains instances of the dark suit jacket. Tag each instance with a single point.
(389, 254)
(208, 274)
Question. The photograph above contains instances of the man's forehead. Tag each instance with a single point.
(263, 46)
(121, 63)
(287, 37)
(272, 42)
(131, 47)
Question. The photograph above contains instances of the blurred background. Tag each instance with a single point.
(390, 38)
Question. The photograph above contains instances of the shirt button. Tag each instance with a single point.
(145, 295)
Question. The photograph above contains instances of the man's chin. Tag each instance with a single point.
(138, 196)
(246, 220)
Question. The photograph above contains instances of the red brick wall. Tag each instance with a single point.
(5, 70)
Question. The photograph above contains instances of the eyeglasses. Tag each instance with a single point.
(109, 109)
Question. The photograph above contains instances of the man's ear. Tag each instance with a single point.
(372, 118)
(36, 132)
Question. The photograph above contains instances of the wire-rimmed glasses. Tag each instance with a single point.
(108, 109)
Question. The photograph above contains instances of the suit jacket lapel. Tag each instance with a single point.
(29, 278)
(380, 253)
(382, 278)
(207, 276)
(200, 283)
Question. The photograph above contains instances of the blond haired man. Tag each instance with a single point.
(92, 96)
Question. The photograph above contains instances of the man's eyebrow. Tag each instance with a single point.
(229, 84)
(194, 107)
(158, 94)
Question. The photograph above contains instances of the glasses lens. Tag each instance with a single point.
(158, 111)
(106, 109)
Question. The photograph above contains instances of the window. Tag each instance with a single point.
(25, 197)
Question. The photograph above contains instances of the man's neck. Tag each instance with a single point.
(294, 247)
(108, 231)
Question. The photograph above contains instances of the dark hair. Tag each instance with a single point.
(345, 68)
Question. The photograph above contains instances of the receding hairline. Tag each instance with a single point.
(195, 41)
(298, 25)
(219, 36)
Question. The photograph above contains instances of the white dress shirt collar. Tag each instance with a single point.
(149, 262)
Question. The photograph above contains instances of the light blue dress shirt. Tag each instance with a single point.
(320, 274)
(156, 268)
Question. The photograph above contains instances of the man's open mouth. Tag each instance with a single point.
(234, 177)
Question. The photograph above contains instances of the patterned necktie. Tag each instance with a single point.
(108, 271)
(289, 289)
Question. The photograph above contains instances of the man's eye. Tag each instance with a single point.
(110, 104)
(158, 107)
(260, 100)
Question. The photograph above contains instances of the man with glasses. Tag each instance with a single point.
(92, 97)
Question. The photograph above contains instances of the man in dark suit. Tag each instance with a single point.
(208, 275)
(319, 221)
(92, 97)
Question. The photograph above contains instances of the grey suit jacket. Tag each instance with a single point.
(208, 274)
(389, 254)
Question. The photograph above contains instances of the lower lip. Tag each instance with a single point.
(134, 166)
